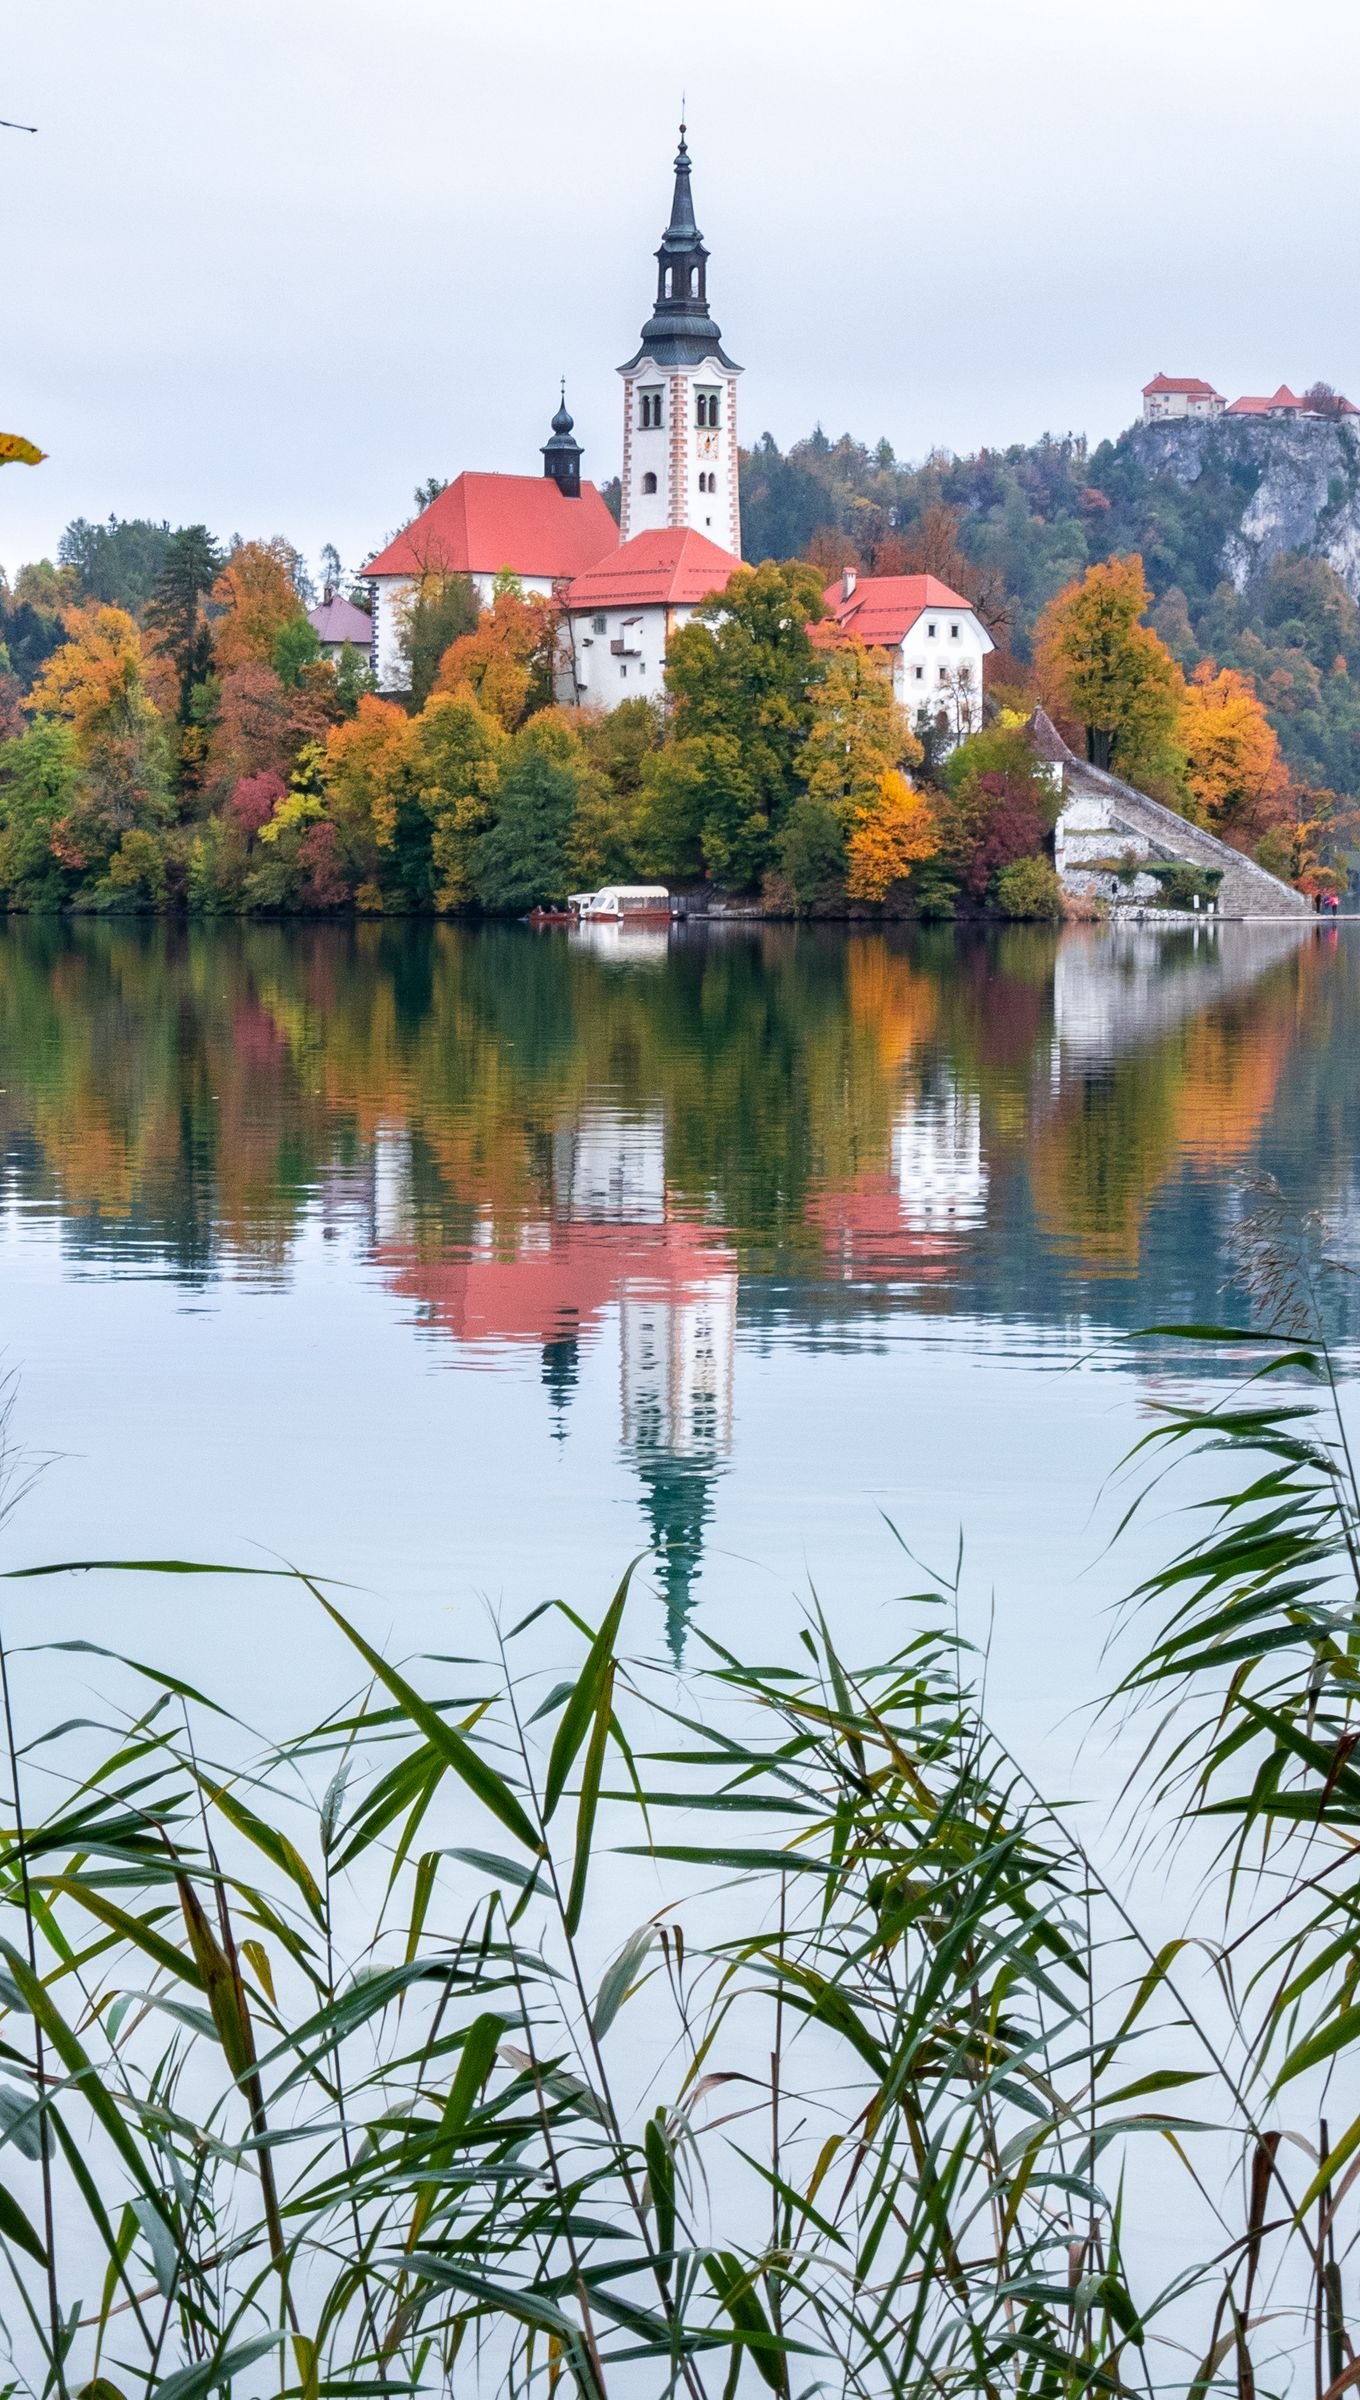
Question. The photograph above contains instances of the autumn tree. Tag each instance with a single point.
(858, 735)
(96, 684)
(1238, 779)
(439, 610)
(894, 828)
(39, 787)
(458, 752)
(507, 662)
(1102, 667)
(997, 807)
(610, 837)
(255, 596)
(740, 678)
(382, 836)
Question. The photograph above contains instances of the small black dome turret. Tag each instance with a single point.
(562, 453)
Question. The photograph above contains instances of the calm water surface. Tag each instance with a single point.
(465, 1265)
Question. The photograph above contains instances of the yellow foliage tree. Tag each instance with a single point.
(1239, 780)
(1098, 663)
(893, 831)
(858, 731)
(95, 681)
(255, 597)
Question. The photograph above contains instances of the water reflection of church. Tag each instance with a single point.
(610, 1242)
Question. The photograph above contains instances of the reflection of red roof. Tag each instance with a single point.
(881, 609)
(1193, 386)
(483, 523)
(867, 1240)
(554, 1277)
(671, 566)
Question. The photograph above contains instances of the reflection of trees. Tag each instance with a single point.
(196, 1093)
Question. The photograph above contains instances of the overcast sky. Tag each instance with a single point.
(268, 263)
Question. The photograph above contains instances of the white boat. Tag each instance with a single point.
(623, 904)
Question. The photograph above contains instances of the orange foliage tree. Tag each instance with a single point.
(255, 596)
(1239, 780)
(892, 833)
(367, 774)
(506, 664)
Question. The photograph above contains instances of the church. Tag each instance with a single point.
(624, 587)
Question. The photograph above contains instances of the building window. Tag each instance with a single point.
(649, 483)
(599, 624)
(622, 668)
(650, 412)
(944, 674)
(706, 405)
(953, 633)
(930, 629)
(919, 673)
(668, 284)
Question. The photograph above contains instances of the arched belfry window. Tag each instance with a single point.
(668, 283)
(649, 482)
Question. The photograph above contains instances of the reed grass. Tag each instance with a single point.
(632, 2035)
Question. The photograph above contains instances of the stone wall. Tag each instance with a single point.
(1246, 889)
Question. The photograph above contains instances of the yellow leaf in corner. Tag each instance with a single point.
(15, 450)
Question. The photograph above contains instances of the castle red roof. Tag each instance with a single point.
(670, 566)
(481, 524)
(881, 609)
(1253, 404)
(1193, 386)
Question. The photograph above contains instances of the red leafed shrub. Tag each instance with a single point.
(252, 803)
(1007, 825)
(321, 877)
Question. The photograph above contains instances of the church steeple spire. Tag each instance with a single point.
(680, 330)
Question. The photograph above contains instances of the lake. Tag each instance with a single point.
(464, 1265)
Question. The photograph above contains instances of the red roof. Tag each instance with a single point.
(671, 566)
(1192, 384)
(882, 609)
(1253, 405)
(481, 524)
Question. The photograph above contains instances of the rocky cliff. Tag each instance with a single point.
(1299, 481)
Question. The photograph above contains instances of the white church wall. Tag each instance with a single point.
(604, 676)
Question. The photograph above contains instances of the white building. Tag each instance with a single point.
(1169, 396)
(935, 639)
(621, 614)
(680, 396)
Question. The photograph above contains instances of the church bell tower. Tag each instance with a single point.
(562, 453)
(680, 396)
